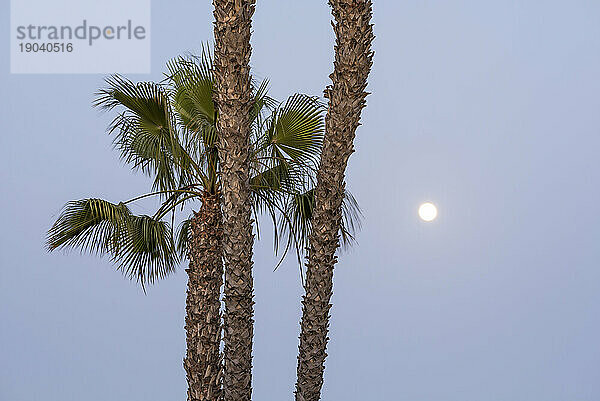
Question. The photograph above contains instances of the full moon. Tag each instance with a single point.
(428, 211)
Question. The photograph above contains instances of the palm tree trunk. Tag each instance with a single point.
(233, 95)
(353, 60)
(203, 305)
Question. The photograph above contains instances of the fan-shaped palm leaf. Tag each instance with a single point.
(183, 237)
(296, 129)
(142, 247)
(192, 84)
(145, 132)
(295, 222)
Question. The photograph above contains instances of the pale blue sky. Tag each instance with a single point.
(488, 109)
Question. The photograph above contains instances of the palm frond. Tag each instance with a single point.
(351, 220)
(146, 132)
(296, 129)
(93, 225)
(192, 82)
(281, 177)
(295, 225)
(141, 247)
(261, 104)
(150, 253)
(183, 237)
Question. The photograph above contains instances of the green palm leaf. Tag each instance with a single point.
(141, 246)
(149, 252)
(261, 104)
(296, 129)
(145, 131)
(192, 84)
(281, 177)
(93, 225)
(295, 223)
(184, 236)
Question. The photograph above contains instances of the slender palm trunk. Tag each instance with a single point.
(233, 97)
(353, 60)
(203, 305)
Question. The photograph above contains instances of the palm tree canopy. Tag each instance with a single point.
(167, 131)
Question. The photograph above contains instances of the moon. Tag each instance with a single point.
(428, 211)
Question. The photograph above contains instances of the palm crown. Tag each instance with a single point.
(167, 130)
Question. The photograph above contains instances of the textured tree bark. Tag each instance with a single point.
(233, 96)
(353, 60)
(203, 305)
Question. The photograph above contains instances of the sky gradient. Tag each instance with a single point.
(488, 109)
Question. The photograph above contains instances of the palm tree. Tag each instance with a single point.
(353, 60)
(233, 95)
(169, 131)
